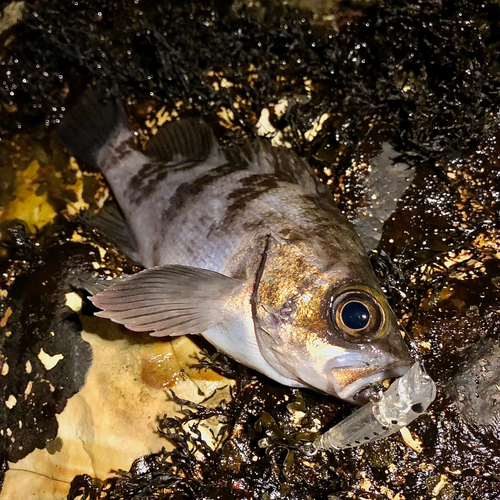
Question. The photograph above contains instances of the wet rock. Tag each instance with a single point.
(82, 396)
(381, 453)
(476, 388)
(44, 360)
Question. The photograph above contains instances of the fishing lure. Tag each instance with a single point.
(406, 398)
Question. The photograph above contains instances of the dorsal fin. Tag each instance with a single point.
(244, 157)
(261, 157)
(190, 140)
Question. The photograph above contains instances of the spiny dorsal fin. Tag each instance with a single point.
(243, 157)
(262, 158)
(183, 141)
(168, 300)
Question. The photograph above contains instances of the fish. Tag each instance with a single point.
(242, 245)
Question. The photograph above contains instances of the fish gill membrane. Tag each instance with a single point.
(406, 398)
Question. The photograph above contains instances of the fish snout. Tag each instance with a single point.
(398, 350)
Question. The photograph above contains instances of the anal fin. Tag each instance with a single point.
(112, 224)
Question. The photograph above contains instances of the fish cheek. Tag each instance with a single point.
(289, 342)
(291, 331)
(272, 326)
(277, 342)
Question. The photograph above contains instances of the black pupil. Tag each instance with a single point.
(355, 315)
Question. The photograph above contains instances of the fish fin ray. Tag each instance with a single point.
(261, 157)
(243, 157)
(91, 124)
(286, 164)
(95, 285)
(183, 141)
(192, 300)
(111, 222)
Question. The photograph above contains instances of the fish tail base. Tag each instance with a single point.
(90, 125)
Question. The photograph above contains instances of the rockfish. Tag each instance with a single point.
(244, 246)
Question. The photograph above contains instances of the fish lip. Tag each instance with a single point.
(354, 391)
(360, 398)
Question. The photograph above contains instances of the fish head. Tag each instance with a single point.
(328, 327)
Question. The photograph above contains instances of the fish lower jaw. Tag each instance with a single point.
(360, 390)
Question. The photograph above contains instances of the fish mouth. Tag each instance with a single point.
(355, 383)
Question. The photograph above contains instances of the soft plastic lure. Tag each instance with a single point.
(406, 398)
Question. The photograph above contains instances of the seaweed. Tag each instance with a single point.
(426, 69)
(44, 360)
(41, 335)
(257, 450)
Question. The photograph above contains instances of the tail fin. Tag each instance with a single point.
(90, 125)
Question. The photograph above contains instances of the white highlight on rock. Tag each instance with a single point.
(49, 361)
(317, 126)
(11, 402)
(74, 301)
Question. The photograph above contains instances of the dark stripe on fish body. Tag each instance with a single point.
(322, 201)
(250, 225)
(118, 153)
(252, 188)
(156, 251)
(145, 182)
(187, 193)
(326, 214)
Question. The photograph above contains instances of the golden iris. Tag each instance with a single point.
(357, 315)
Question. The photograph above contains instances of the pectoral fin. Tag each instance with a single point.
(168, 300)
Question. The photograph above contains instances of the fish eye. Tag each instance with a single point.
(357, 316)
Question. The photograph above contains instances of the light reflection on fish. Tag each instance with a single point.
(244, 246)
